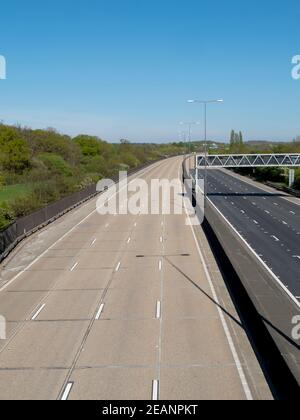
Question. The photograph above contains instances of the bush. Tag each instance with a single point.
(297, 184)
(37, 173)
(6, 216)
(25, 205)
(66, 186)
(129, 160)
(269, 174)
(95, 165)
(46, 192)
(56, 164)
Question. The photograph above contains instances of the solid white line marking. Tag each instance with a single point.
(70, 231)
(99, 312)
(67, 391)
(155, 390)
(223, 321)
(118, 266)
(158, 309)
(254, 253)
(74, 266)
(38, 312)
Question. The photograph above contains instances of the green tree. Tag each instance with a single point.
(14, 152)
(232, 137)
(89, 146)
(241, 139)
(236, 140)
(232, 141)
(49, 141)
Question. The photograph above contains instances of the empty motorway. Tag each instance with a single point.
(127, 307)
(268, 222)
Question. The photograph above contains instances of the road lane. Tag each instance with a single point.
(268, 222)
(119, 352)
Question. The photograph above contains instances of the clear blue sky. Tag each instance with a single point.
(124, 68)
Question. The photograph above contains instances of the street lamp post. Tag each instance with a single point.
(182, 138)
(205, 103)
(190, 124)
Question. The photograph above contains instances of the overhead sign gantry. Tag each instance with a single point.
(247, 160)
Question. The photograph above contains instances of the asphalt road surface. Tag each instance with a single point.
(123, 307)
(267, 221)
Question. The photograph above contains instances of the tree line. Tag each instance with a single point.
(275, 174)
(47, 165)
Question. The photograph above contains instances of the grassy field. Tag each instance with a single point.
(10, 192)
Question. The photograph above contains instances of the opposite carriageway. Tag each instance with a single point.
(258, 231)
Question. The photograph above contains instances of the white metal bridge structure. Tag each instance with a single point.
(248, 160)
(287, 160)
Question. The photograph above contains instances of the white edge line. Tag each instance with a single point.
(99, 312)
(155, 390)
(262, 262)
(223, 321)
(38, 312)
(67, 391)
(66, 234)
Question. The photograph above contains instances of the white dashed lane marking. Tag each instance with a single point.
(38, 312)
